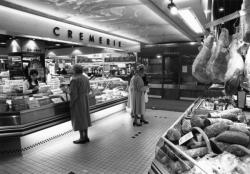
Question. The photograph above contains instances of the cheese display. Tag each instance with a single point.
(102, 90)
(207, 139)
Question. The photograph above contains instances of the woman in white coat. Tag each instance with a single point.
(137, 96)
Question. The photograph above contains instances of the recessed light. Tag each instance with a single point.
(221, 9)
(158, 56)
(192, 43)
(58, 44)
(2, 43)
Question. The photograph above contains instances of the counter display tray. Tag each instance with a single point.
(35, 119)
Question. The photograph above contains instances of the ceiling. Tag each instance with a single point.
(146, 21)
(229, 6)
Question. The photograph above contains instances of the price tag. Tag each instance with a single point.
(185, 138)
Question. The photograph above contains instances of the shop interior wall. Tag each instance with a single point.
(177, 80)
(3, 51)
(183, 55)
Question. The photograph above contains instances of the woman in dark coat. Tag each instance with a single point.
(79, 104)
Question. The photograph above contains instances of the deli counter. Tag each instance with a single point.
(22, 114)
(211, 137)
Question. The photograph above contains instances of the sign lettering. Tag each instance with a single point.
(80, 36)
(91, 38)
(55, 31)
(69, 34)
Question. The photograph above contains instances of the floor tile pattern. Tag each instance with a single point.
(112, 149)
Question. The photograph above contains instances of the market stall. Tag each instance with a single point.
(22, 114)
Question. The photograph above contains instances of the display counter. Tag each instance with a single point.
(23, 115)
(210, 137)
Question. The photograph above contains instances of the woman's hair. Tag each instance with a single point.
(33, 71)
(140, 68)
(78, 69)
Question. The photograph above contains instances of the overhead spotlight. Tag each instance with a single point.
(172, 7)
(221, 9)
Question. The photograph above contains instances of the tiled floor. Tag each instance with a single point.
(116, 147)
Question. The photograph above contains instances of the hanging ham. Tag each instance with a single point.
(247, 67)
(217, 64)
(200, 62)
(235, 68)
(245, 21)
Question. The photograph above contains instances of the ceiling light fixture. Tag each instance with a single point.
(58, 44)
(2, 43)
(191, 20)
(221, 9)
(172, 7)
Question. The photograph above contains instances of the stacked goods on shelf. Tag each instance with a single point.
(11, 86)
(20, 103)
(216, 139)
(44, 101)
(54, 83)
(43, 88)
(33, 103)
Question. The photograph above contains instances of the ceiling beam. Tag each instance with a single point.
(157, 10)
(38, 13)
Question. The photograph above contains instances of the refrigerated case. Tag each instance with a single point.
(21, 114)
(174, 155)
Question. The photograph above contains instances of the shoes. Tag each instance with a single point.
(144, 121)
(137, 124)
(81, 141)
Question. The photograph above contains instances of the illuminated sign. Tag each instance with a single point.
(89, 37)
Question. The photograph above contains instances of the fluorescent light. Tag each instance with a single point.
(191, 20)
(2, 43)
(207, 11)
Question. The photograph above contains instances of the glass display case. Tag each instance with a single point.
(21, 114)
(206, 139)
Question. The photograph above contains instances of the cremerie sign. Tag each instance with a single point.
(19, 23)
(88, 37)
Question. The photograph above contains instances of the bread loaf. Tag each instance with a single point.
(197, 152)
(238, 150)
(215, 129)
(233, 137)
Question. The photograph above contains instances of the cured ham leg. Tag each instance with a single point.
(235, 68)
(217, 65)
(200, 62)
(245, 21)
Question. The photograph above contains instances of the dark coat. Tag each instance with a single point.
(79, 102)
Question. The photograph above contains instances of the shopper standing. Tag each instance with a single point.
(145, 81)
(138, 99)
(79, 104)
(130, 76)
